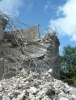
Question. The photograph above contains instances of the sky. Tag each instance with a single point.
(58, 15)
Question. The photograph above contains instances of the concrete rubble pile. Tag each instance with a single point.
(28, 85)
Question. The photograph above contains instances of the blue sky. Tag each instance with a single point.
(59, 15)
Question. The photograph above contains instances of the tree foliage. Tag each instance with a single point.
(68, 62)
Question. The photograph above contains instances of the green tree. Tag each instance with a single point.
(68, 62)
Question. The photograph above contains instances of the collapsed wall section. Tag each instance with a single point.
(39, 54)
(45, 52)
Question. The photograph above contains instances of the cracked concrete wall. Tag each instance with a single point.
(30, 34)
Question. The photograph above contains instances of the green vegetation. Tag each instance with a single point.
(68, 65)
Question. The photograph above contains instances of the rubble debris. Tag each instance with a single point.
(33, 86)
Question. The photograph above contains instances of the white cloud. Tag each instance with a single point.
(66, 23)
(11, 6)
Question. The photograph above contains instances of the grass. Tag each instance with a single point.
(70, 81)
